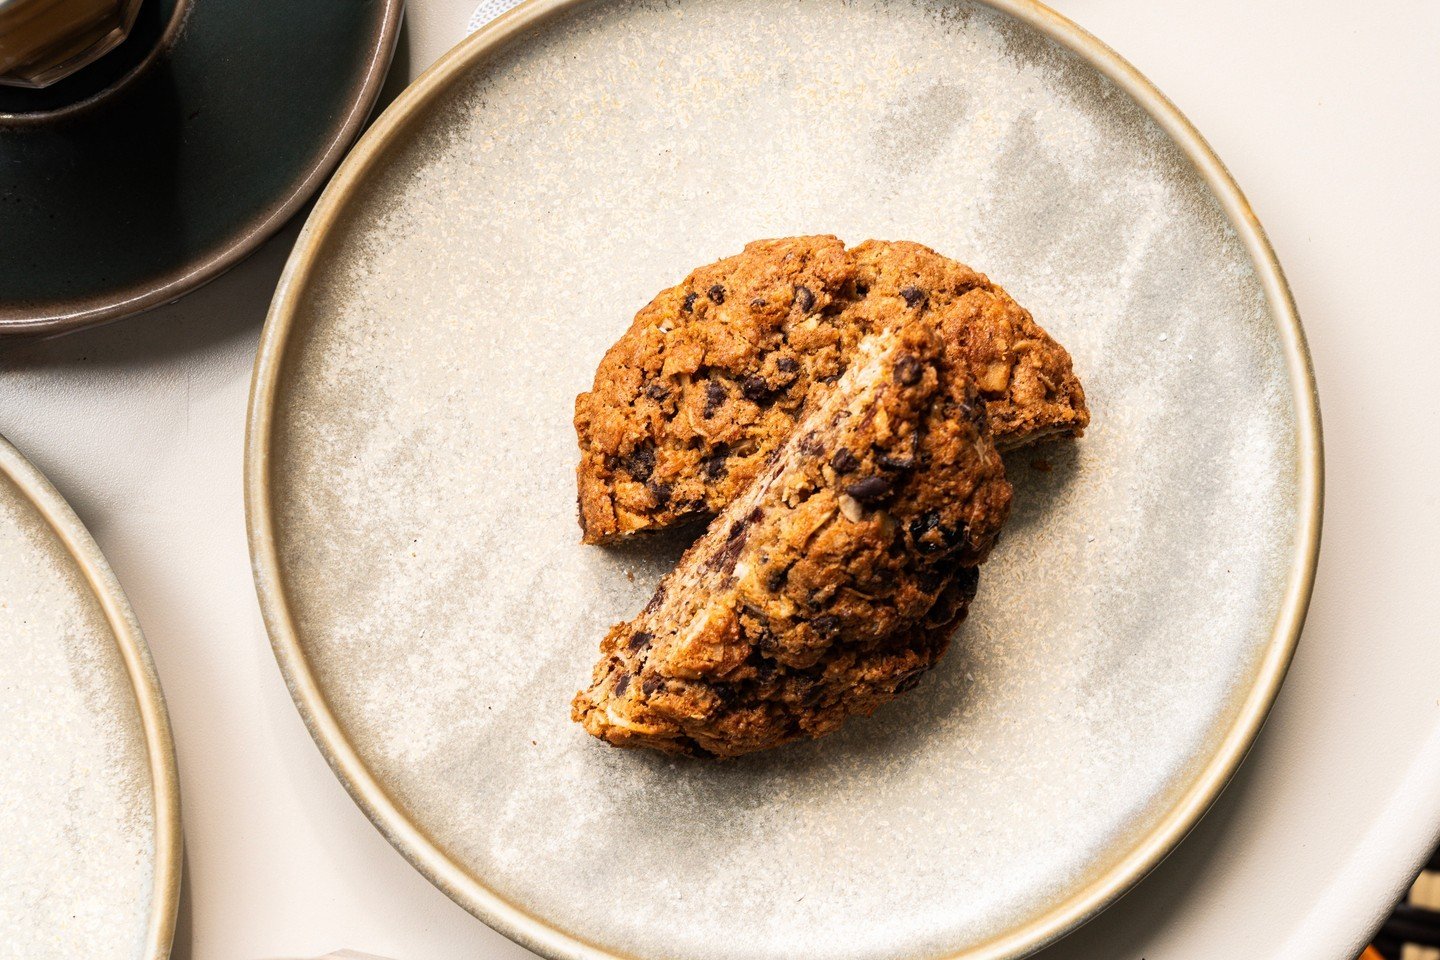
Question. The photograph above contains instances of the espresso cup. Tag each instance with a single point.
(42, 41)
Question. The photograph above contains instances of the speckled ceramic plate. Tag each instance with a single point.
(411, 494)
(89, 804)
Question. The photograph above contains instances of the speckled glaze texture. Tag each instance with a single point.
(81, 874)
(412, 481)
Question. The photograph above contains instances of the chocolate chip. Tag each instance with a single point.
(723, 560)
(827, 625)
(804, 299)
(924, 523)
(787, 365)
(870, 489)
(931, 579)
(908, 370)
(689, 305)
(715, 395)
(716, 465)
(640, 640)
(901, 458)
(652, 683)
(756, 390)
(811, 444)
(762, 641)
(657, 391)
(914, 296)
(930, 537)
(716, 293)
(661, 492)
(758, 303)
(641, 463)
(728, 694)
(622, 684)
(844, 461)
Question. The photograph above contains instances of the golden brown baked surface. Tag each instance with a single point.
(711, 376)
(830, 583)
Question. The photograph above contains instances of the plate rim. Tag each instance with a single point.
(514, 920)
(63, 522)
(69, 314)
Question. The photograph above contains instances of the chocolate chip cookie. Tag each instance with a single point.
(712, 375)
(832, 582)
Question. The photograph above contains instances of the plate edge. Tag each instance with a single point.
(537, 934)
(144, 682)
(71, 318)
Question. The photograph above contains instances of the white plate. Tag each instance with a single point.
(89, 804)
(410, 474)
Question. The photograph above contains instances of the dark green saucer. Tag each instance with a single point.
(169, 160)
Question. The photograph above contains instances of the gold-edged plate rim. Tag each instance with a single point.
(533, 931)
(58, 515)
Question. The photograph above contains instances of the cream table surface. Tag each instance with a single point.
(1325, 112)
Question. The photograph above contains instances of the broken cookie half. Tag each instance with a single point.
(688, 406)
(831, 583)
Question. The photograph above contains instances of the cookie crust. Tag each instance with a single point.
(830, 584)
(712, 375)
